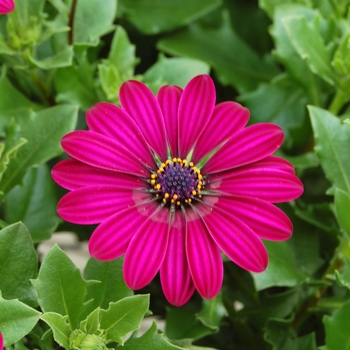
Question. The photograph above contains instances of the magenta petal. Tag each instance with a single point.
(145, 253)
(102, 152)
(92, 205)
(110, 120)
(204, 259)
(237, 240)
(111, 238)
(195, 109)
(269, 184)
(175, 275)
(139, 102)
(249, 145)
(265, 219)
(228, 118)
(72, 174)
(6, 6)
(168, 99)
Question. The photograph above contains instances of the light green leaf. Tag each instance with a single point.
(217, 47)
(60, 287)
(337, 328)
(124, 316)
(155, 16)
(281, 270)
(173, 71)
(150, 341)
(270, 6)
(309, 44)
(18, 264)
(92, 323)
(16, 320)
(92, 20)
(332, 139)
(60, 59)
(43, 131)
(59, 326)
(34, 203)
(342, 209)
(112, 287)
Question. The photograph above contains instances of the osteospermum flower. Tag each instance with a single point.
(1, 342)
(6, 6)
(174, 181)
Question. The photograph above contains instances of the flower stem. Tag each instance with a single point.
(338, 102)
(71, 22)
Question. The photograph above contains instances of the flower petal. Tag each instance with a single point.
(236, 240)
(228, 118)
(111, 238)
(265, 219)
(92, 205)
(175, 275)
(195, 109)
(6, 6)
(72, 174)
(249, 145)
(269, 184)
(110, 120)
(102, 152)
(140, 103)
(145, 253)
(204, 259)
(168, 99)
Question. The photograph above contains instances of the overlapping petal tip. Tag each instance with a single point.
(168, 99)
(140, 103)
(196, 106)
(102, 152)
(110, 120)
(145, 254)
(175, 275)
(266, 183)
(228, 118)
(6, 6)
(110, 239)
(72, 174)
(92, 205)
(237, 240)
(204, 260)
(249, 145)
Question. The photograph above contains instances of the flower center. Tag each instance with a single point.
(177, 182)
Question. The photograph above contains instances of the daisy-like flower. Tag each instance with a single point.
(6, 6)
(1, 342)
(174, 181)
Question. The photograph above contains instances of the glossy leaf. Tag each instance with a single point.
(60, 287)
(60, 327)
(124, 316)
(18, 264)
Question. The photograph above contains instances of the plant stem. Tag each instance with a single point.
(338, 102)
(71, 22)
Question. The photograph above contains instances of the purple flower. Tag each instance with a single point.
(1, 342)
(6, 6)
(174, 181)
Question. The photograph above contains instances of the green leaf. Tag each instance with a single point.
(59, 326)
(16, 320)
(149, 341)
(92, 20)
(18, 264)
(92, 323)
(309, 44)
(112, 287)
(217, 47)
(332, 139)
(281, 270)
(270, 6)
(212, 312)
(342, 205)
(337, 328)
(155, 16)
(34, 204)
(60, 287)
(62, 58)
(43, 131)
(124, 316)
(173, 71)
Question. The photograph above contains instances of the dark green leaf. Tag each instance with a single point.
(18, 264)
(212, 312)
(60, 287)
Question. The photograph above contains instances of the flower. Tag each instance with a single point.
(1, 342)
(174, 181)
(6, 6)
